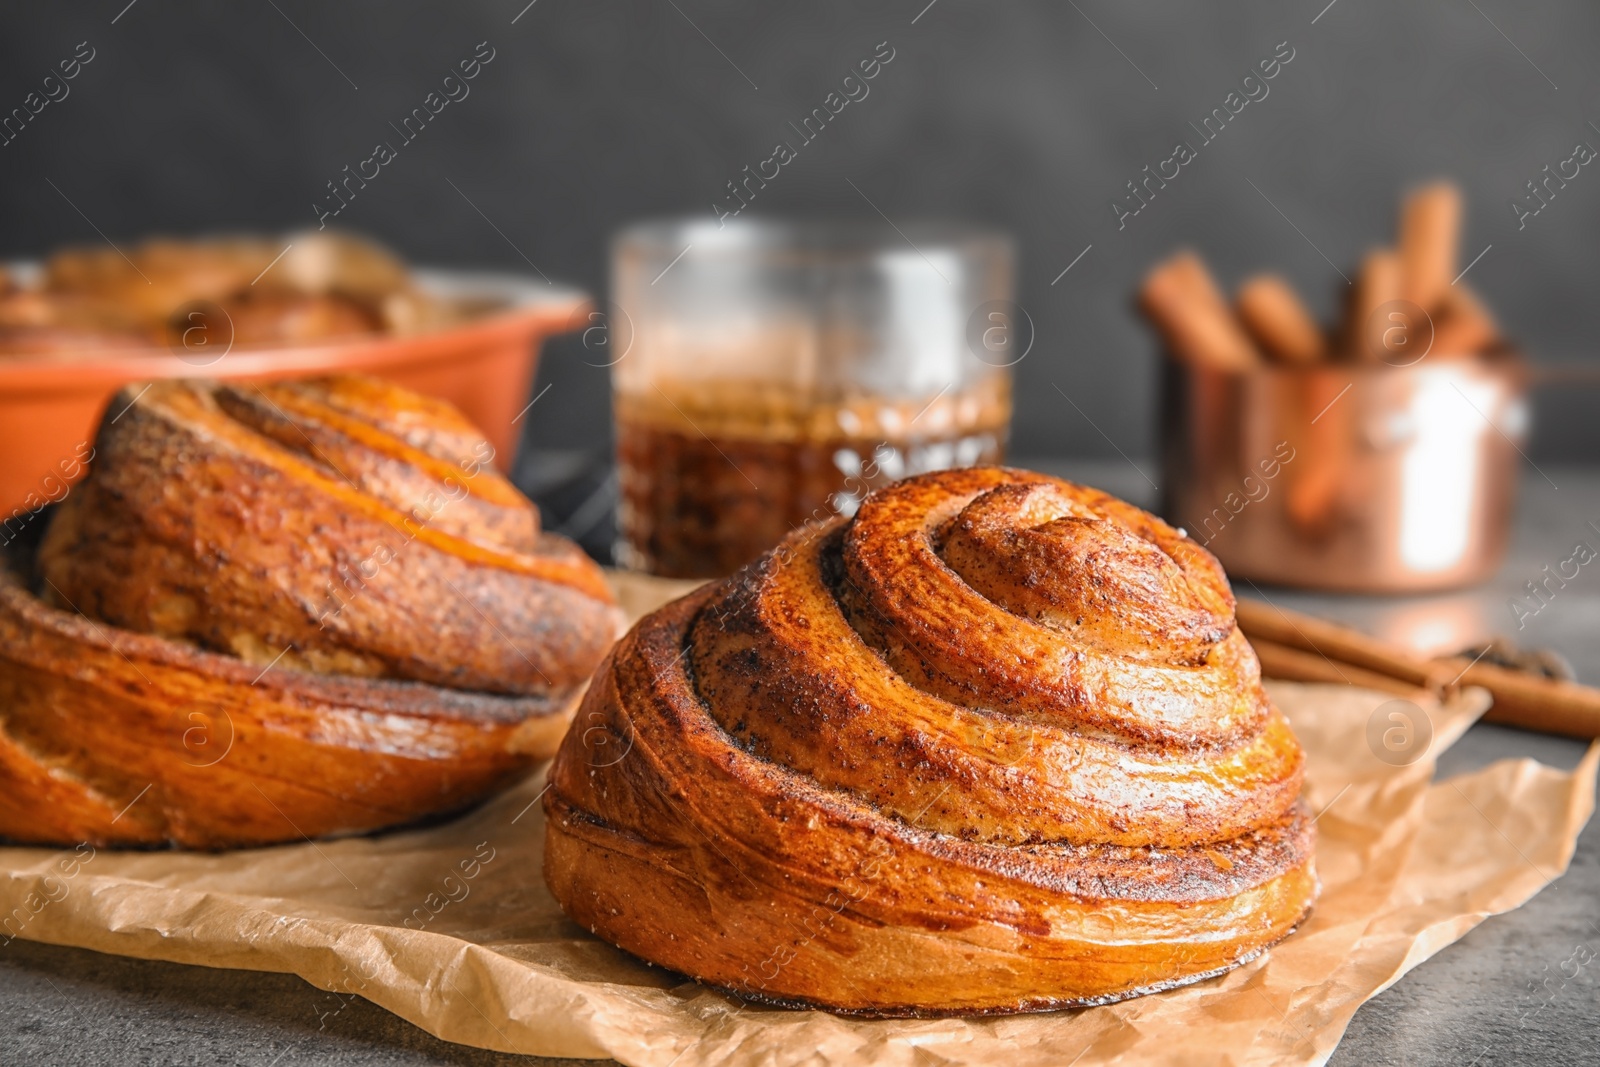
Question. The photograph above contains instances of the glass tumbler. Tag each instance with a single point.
(773, 373)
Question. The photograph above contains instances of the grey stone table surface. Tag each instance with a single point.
(1511, 991)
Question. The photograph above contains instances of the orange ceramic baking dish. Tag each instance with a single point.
(49, 407)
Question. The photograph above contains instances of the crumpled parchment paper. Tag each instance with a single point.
(450, 926)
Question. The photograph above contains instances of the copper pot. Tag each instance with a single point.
(1351, 478)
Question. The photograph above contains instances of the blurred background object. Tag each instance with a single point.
(769, 374)
(1036, 121)
(1354, 478)
(1408, 482)
(301, 288)
(75, 331)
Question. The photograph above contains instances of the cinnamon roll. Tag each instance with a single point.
(244, 292)
(282, 611)
(994, 744)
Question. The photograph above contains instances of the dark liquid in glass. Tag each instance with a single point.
(708, 483)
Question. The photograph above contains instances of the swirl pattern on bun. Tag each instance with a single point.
(284, 610)
(994, 744)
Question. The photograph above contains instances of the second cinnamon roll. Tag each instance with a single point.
(280, 611)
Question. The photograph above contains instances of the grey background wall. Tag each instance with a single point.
(1029, 116)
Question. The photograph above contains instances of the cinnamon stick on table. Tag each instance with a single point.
(1181, 298)
(1286, 661)
(1272, 312)
(1330, 652)
(1329, 640)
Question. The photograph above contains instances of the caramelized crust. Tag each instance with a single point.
(301, 527)
(993, 745)
(122, 738)
(288, 610)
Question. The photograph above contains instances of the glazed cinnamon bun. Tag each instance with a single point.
(994, 744)
(281, 611)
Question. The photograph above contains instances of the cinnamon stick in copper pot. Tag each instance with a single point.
(1430, 225)
(1377, 284)
(1462, 326)
(1181, 298)
(1273, 314)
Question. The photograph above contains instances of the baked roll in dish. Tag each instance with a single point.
(281, 611)
(242, 292)
(992, 745)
